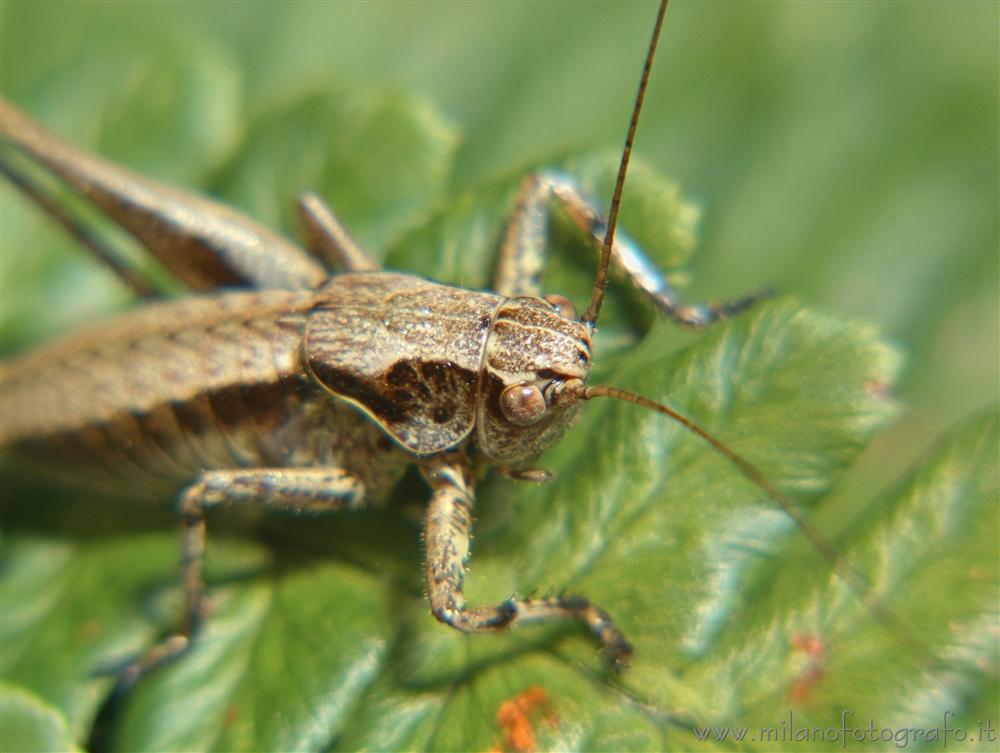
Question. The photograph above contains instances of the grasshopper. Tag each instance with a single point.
(283, 385)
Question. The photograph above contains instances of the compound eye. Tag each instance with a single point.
(563, 306)
(522, 404)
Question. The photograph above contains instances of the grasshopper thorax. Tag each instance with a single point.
(536, 355)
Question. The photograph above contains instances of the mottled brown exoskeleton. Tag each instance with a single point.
(281, 386)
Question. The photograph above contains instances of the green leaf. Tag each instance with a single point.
(928, 552)
(28, 724)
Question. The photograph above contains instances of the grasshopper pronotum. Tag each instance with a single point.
(421, 401)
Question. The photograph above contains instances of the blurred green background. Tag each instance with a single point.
(845, 153)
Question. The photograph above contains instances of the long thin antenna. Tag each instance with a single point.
(843, 569)
(601, 281)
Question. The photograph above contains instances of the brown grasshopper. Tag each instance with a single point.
(281, 386)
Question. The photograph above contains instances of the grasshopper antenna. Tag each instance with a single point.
(601, 281)
(842, 569)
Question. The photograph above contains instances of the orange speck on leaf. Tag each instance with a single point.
(514, 717)
(812, 646)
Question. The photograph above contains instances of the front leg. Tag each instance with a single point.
(522, 255)
(447, 531)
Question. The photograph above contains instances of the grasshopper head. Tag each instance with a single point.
(537, 356)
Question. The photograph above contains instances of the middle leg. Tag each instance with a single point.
(299, 490)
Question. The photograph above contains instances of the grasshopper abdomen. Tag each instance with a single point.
(147, 400)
